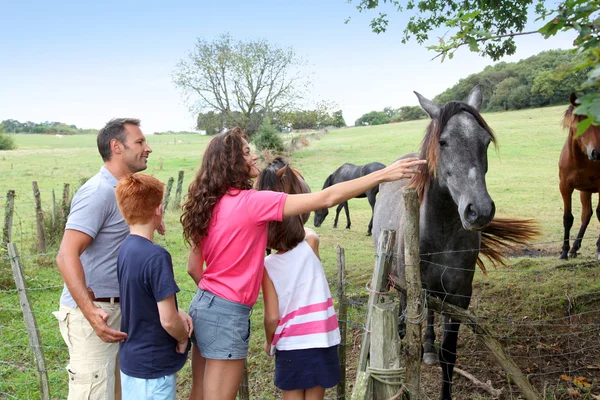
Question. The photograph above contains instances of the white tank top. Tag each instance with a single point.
(306, 315)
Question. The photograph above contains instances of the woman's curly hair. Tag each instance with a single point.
(223, 167)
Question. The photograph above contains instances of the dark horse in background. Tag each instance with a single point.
(578, 168)
(456, 217)
(345, 173)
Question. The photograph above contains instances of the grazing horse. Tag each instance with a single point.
(456, 217)
(345, 173)
(578, 168)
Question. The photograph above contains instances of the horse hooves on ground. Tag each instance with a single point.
(368, 233)
(572, 255)
(430, 358)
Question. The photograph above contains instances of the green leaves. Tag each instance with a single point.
(489, 28)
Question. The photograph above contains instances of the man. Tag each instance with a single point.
(90, 314)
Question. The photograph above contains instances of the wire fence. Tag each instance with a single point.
(545, 313)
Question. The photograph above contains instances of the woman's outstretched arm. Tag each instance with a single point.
(302, 203)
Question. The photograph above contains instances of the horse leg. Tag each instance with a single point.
(337, 214)
(448, 356)
(348, 222)
(430, 356)
(586, 216)
(371, 197)
(566, 192)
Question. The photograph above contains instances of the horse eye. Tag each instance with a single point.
(443, 143)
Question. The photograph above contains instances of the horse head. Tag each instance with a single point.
(588, 141)
(455, 146)
(281, 177)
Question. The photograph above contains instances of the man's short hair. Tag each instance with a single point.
(138, 195)
(114, 129)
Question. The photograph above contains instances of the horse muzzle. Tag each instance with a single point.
(477, 216)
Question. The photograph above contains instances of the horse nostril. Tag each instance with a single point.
(470, 213)
(595, 155)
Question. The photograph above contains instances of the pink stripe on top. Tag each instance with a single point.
(306, 310)
(307, 328)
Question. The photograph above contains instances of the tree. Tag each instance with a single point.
(242, 81)
(6, 141)
(267, 138)
(338, 119)
(489, 27)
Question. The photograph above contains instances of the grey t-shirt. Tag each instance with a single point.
(94, 211)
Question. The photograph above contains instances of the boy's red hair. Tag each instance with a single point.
(138, 195)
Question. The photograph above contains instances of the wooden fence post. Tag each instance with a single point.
(66, 204)
(177, 202)
(8, 217)
(39, 215)
(53, 209)
(244, 390)
(384, 353)
(415, 311)
(379, 281)
(30, 322)
(343, 318)
(168, 193)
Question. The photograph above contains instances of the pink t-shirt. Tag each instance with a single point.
(234, 248)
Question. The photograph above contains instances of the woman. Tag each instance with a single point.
(225, 222)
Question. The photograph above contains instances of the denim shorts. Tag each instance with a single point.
(221, 327)
(162, 388)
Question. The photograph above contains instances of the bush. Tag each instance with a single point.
(7, 142)
(267, 138)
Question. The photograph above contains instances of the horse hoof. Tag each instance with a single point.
(573, 255)
(368, 233)
(430, 358)
(563, 257)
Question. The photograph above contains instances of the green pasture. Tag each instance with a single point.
(522, 180)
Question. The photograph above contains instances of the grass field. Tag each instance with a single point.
(522, 180)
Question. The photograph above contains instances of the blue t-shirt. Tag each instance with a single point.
(145, 272)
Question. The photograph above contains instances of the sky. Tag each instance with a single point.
(83, 63)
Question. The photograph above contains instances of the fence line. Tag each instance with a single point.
(554, 345)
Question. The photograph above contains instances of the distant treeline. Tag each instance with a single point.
(14, 126)
(536, 81)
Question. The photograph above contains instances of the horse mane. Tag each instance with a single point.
(430, 143)
(504, 236)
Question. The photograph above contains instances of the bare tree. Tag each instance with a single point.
(241, 81)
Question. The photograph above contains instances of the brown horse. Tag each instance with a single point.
(579, 168)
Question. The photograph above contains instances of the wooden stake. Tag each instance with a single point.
(39, 216)
(30, 321)
(343, 318)
(8, 217)
(414, 302)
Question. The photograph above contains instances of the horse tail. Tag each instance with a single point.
(505, 235)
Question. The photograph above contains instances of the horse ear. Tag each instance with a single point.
(428, 106)
(573, 100)
(475, 98)
(281, 171)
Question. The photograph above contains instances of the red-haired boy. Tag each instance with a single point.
(157, 332)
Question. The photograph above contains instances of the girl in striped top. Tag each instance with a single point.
(301, 326)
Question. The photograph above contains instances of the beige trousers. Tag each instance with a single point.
(93, 370)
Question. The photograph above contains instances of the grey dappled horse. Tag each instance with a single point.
(455, 210)
(345, 173)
